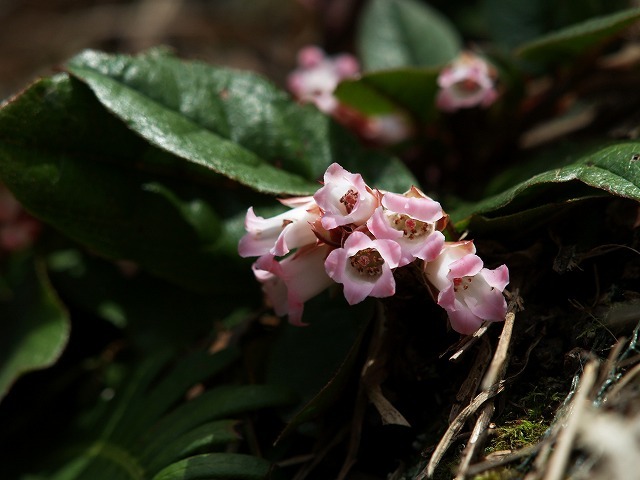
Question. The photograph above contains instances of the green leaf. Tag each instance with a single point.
(573, 41)
(216, 466)
(400, 33)
(611, 170)
(234, 123)
(35, 325)
(378, 93)
(149, 425)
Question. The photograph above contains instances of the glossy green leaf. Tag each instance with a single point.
(613, 170)
(573, 41)
(406, 89)
(35, 324)
(234, 123)
(216, 466)
(401, 33)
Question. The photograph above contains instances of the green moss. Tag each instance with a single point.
(517, 434)
(498, 474)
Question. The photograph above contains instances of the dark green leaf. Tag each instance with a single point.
(190, 371)
(573, 41)
(613, 169)
(514, 22)
(401, 33)
(35, 325)
(216, 466)
(144, 306)
(209, 436)
(379, 93)
(305, 359)
(76, 167)
(326, 381)
(220, 402)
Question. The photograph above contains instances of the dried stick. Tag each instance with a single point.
(560, 456)
(494, 375)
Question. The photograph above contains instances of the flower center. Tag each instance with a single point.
(367, 262)
(349, 200)
(410, 227)
(461, 283)
(466, 87)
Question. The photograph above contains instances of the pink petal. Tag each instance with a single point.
(467, 266)
(492, 306)
(431, 247)
(497, 278)
(464, 321)
(423, 209)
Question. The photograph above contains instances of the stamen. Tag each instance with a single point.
(349, 200)
(367, 262)
(410, 227)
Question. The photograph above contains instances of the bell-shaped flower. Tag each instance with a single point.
(364, 267)
(468, 292)
(290, 282)
(345, 198)
(469, 81)
(411, 220)
(318, 75)
(280, 234)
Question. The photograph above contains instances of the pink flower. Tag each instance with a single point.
(290, 282)
(364, 267)
(318, 76)
(387, 129)
(280, 234)
(345, 198)
(410, 220)
(467, 82)
(468, 292)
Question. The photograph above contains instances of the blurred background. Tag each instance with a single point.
(258, 35)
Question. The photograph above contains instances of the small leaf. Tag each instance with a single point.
(209, 436)
(378, 93)
(573, 41)
(217, 403)
(613, 169)
(188, 372)
(216, 466)
(35, 325)
(401, 33)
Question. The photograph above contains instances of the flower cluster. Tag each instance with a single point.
(18, 229)
(357, 236)
(315, 80)
(469, 81)
(318, 75)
